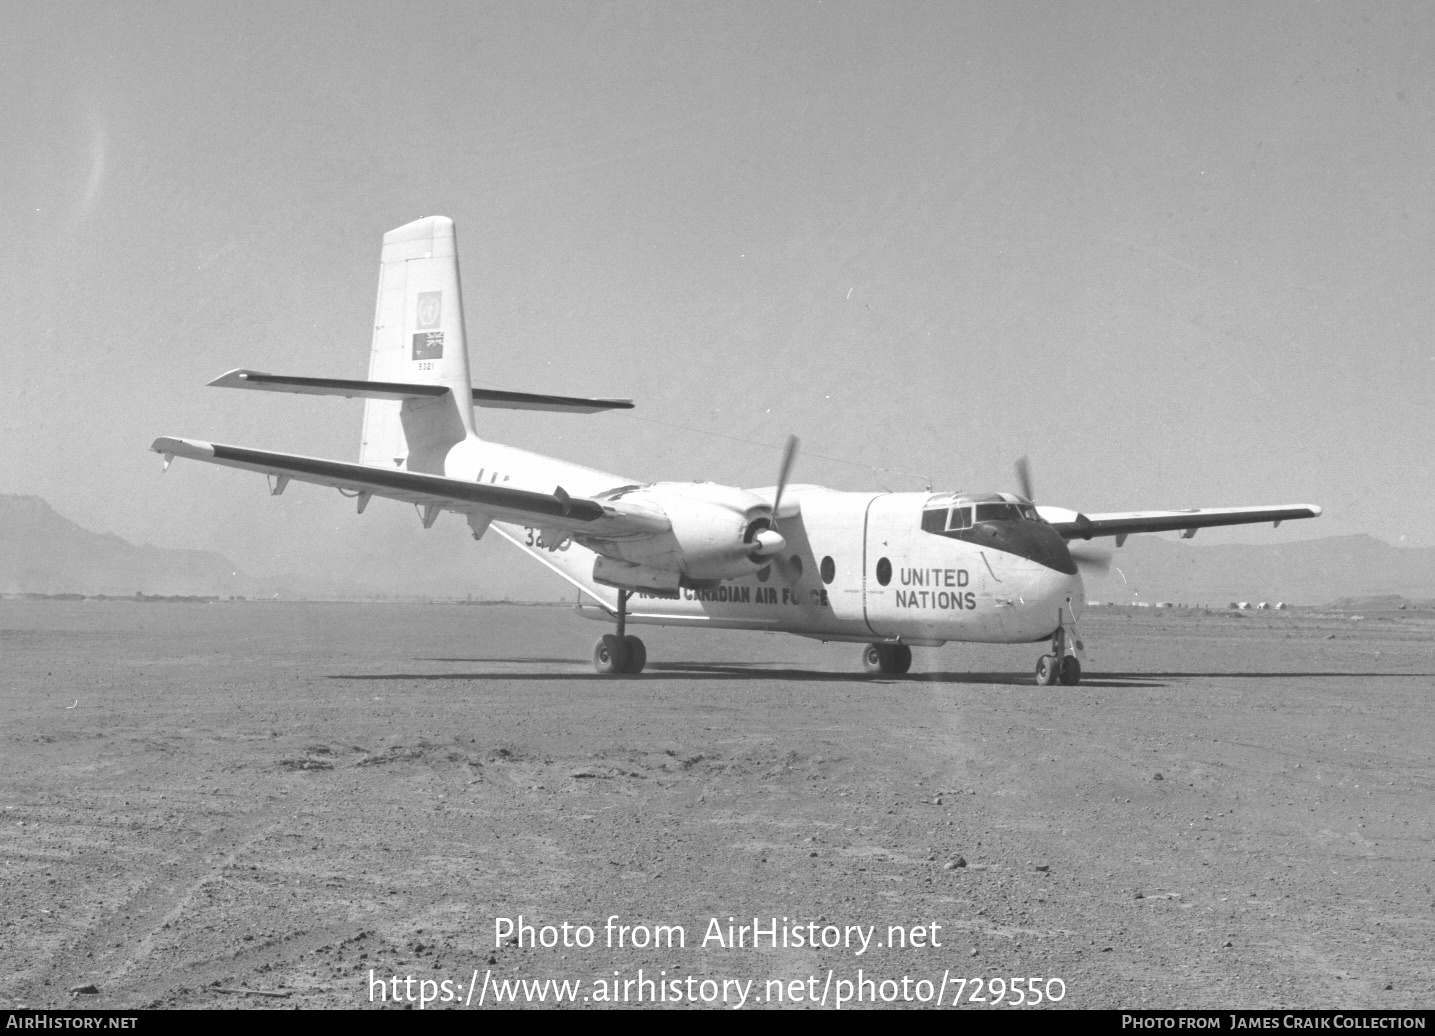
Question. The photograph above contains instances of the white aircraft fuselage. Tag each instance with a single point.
(864, 568)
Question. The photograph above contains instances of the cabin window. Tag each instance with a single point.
(884, 571)
(829, 569)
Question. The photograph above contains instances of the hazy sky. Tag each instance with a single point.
(1179, 254)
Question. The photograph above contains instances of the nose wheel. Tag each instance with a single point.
(1050, 672)
(886, 658)
(1059, 666)
(620, 652)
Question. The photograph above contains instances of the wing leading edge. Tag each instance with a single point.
(1076, 526)
(556, 510)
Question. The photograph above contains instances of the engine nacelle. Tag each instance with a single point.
(1062, 516)
(717, 532)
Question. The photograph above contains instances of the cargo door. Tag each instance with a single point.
(893, 528)
(829, 541)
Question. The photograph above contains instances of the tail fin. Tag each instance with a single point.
(418, 339)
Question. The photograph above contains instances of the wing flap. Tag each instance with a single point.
(1074, 526)
(555, 510)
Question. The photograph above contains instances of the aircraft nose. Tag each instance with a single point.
(1061, 597)
(1035, 541)
(1075, 592)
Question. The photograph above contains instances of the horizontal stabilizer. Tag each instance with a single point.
(502, 400)
(350, 388)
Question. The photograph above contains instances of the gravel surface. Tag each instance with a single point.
(256, 804)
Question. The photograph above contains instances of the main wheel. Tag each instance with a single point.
(1070, 671)
(886, 658)
(609, 654)
(1046, 671)
(637, 655)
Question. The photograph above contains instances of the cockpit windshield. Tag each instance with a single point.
(998, 512)
(964, 516)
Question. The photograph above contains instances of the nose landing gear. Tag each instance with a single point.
(886, 658)
(620, 652)
(1062, 665)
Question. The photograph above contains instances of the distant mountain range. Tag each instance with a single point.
(43, 552)
(1322, 571)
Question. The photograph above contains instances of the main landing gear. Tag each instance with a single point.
(886, 658)
(618, 653)
(1058, 667)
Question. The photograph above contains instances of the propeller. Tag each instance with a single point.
(1096, 562)
(1023, 479)
(767, 541)
(789, 454)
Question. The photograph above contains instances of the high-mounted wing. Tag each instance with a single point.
(1076, 526)
(351, 387)
(434, 493)
(790, 506)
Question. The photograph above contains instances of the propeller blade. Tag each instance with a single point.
(789, 454)
(1094, 562)
(1023, 478)
(768, 544)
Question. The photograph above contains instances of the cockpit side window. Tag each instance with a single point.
(934, 519)
(961, 518)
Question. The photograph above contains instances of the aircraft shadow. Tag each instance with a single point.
(773, 671)
(1260, 676)
(770, 670)
(513, 661)
(697, 671)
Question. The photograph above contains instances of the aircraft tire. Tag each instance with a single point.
(1046, 671)
(609, 655)
(886, 658)
(1070, 671)
(637, 655)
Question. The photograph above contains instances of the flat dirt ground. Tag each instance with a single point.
(279, 798)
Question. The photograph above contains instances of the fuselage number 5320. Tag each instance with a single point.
(535, 539)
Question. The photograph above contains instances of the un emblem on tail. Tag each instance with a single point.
(430, 309)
